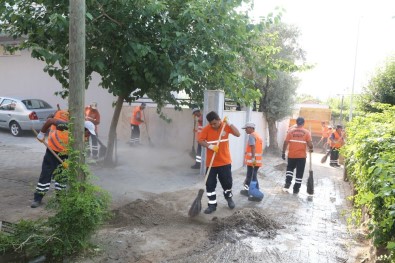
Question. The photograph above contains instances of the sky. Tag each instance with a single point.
(329, 35)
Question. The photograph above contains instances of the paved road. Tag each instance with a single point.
(315, 228)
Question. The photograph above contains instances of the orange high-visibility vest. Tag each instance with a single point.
(62, 115)
(339, 140)
(134, 120)
(325, 132)
(199, 126)
(58, 140)
(258, 151)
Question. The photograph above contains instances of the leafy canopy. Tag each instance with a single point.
(153, 47)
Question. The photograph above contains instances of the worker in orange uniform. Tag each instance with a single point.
(57, 140)
(222, 164)
(336, 142)
(325, 133)
(253, 159)
(297, 141)
(135, 121)
(92, 114)
(198, 117)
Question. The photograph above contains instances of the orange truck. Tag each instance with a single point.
(313, 119)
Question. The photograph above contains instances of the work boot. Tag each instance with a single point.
(35, 204)
(195, 166)
(286, 186)
(296, 191)
(231, 204)
(210, 209)
(253, 198)
(244, 192)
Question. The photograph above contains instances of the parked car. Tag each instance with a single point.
(23, 114)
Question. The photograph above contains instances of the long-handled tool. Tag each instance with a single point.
(102, 149)
(52, 151)
(196, 206)
(193, 151)
(323, 159)
(310, 180)
(146, 127)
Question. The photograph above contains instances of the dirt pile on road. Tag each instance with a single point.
(154, 232)
(145, 213)
(244, 223)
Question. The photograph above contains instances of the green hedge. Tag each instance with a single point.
(370, 153)
(77, 212)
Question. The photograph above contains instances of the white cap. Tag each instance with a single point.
(94, 105)
(90, 126)
(249, 125)
(195, 110)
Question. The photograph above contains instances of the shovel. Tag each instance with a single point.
(196, 206)
(310, 180)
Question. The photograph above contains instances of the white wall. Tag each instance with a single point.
(178, 134)
(237, 144)
(24, 76)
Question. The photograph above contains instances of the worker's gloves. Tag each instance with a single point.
(41, 136)
(65, 165)
(214, 148)
(253, 161)
(283, 155)
(226, 119)
(310, 150)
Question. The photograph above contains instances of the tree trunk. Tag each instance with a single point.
(273, 145)
(108, 160)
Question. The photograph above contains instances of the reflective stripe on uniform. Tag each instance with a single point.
(298, 141)
(43, 187)
(213, 142)
(256, 154)
(256, 161)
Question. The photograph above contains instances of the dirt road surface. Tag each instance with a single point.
(152, 191)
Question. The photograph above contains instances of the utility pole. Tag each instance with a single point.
(77, 77)
(355, 67)
(341, 110)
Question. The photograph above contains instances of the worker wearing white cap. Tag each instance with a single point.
(92, 114)
(253, 160)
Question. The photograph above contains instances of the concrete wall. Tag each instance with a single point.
(24, 76)
(178, 133)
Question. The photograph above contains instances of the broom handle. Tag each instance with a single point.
(212, 158)
(52, 151)
(309, 151)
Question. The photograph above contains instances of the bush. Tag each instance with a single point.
(370, 151)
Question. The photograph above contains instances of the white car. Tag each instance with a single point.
(23, 114)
